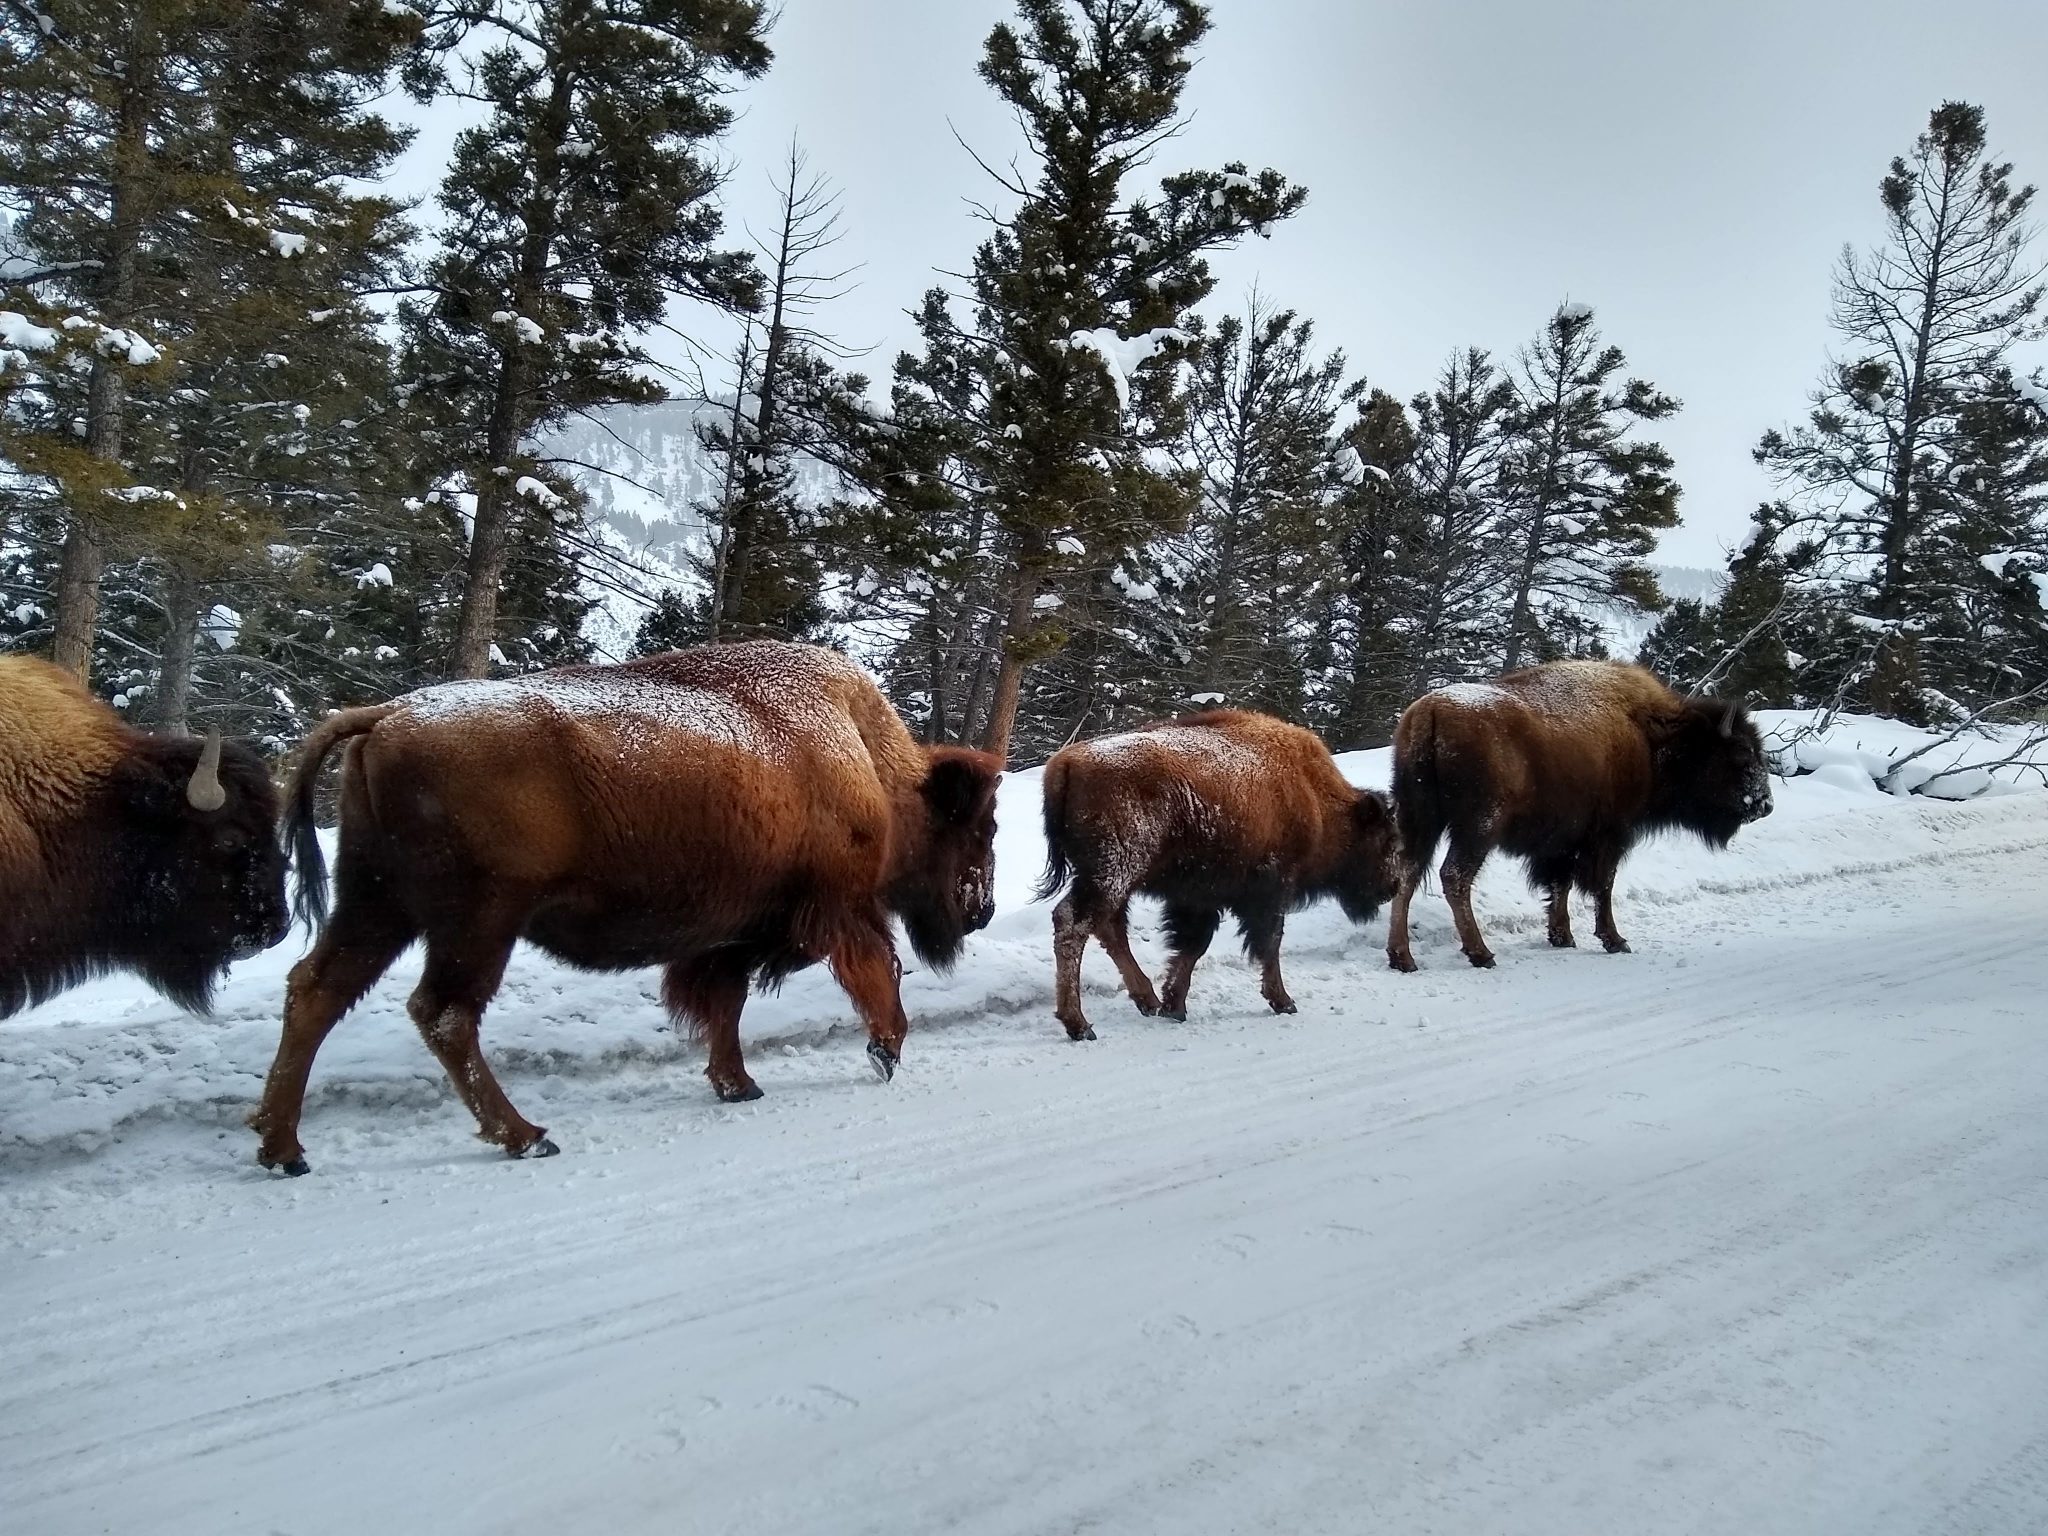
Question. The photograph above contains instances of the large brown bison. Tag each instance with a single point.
(732, 814)
(1227, 810)
(124, 851)
(1565, 765)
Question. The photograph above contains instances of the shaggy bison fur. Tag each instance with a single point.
(124, 851)
(1224, 811)
(1564, 765)
(731, 814)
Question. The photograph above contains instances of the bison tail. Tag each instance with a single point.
(301, 833)
(1418, 801)
(1057, 865)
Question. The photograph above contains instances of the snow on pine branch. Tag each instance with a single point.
(1122, 356)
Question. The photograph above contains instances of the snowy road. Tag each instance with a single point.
(1746, 1232)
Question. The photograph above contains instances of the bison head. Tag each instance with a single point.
(1711, 774)
(1366, 874)
(944, 888)
(202, 869)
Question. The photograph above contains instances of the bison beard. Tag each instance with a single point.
(1221, 811)
(124, 851)
(1566, 765)
(731, 814)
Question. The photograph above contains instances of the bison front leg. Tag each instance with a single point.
(706, 998)
(460, 978)
(1603, 873)
(865, 964)
(1262, 932)
(1554, 877)
(1189, 930)
(352, 952)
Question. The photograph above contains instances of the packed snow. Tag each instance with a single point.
(1740, 1232)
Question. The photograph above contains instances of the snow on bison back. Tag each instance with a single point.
(1566, 765)
(730, 813)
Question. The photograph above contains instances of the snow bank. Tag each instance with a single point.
(111, 1054)
(1875, 750)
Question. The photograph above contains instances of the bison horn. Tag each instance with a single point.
(1728, 720)
(205, 792)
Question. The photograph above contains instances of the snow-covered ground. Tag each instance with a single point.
(1744, 1232)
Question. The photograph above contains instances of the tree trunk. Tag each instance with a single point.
(77, 600)
(476, 629)
(490, 533)
(84, 557)
(1002, 711)
(184, 602)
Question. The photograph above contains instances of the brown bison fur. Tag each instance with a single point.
(106, 862)
(1224, 810)
(1565, 765)
(731, 814)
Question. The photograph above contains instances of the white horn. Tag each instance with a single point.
(205, 792)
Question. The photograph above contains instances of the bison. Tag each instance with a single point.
(1226, 809)
(731, 814)
(125, 851)
(1565, 765)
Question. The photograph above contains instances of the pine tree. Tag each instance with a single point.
(1460, 559)
(1584, 503)
(1929, 318)
(1262, 438)
(574, 214)
(1364, 620)
(1078, 302)
(765, 574)
(140, 136)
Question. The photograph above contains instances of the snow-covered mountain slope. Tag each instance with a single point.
(1740, 1232)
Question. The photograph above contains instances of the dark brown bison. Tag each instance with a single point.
(732, 814)
(123, 851)
(1225, 810)
(1566, 766)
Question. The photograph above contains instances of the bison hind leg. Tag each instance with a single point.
(460, 978)
(1070, 929)
(1460, 869)
(353, 950)
(705, 995)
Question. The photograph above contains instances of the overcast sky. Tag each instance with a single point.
(1690, 169)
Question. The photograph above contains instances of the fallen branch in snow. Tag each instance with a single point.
(2033, 743)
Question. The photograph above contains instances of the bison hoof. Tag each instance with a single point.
(1617, 945)
(737, 1093)
(1483, 960)
(290, 1167)
(882, 1059)
(541, 1146)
